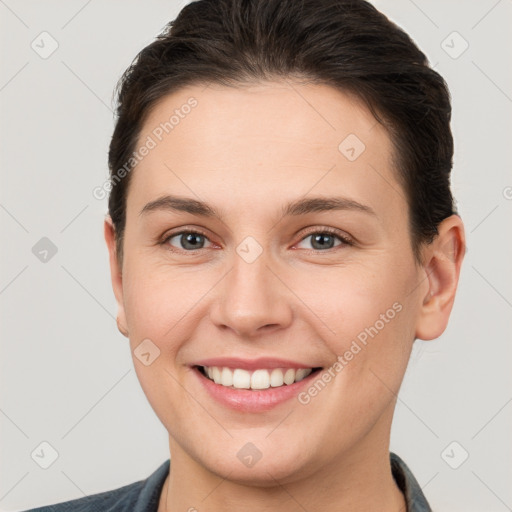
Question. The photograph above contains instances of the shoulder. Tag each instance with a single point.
(115, 500)
(141, 496)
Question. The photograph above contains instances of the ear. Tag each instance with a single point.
(442, 260)
(115, 274)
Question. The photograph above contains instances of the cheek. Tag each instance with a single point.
(160, 301)
(370, 315)
(352, 301)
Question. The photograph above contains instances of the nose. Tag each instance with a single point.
(252, 299)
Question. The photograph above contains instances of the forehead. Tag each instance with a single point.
(316, 114)
(268, 139)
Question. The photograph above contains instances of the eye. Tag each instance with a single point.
(186, 240)
(325, 239)
(321, 240)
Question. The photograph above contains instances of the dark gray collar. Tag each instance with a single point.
(414, 497)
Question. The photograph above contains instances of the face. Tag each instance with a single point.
(299, 256)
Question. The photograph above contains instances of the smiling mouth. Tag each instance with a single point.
(238, 378)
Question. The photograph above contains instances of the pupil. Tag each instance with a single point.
(320, 240)
(189, 241)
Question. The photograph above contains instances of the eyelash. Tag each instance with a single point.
(318, 231)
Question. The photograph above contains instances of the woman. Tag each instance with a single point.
(281, 230)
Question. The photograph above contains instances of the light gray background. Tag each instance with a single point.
(66, 373)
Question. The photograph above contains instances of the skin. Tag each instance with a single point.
(247, 152)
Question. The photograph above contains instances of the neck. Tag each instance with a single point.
(360, 480)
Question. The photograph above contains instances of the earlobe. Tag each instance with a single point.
(115, 274)
(121, 328)
(442, 264)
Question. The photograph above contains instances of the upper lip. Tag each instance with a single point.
(252, 364)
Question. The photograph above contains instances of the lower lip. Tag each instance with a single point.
(247, 400)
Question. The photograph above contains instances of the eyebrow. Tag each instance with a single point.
(295, 208)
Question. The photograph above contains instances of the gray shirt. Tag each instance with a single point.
(144, 495)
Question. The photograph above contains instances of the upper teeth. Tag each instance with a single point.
(258, 379)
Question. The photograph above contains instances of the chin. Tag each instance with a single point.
(251, 467)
